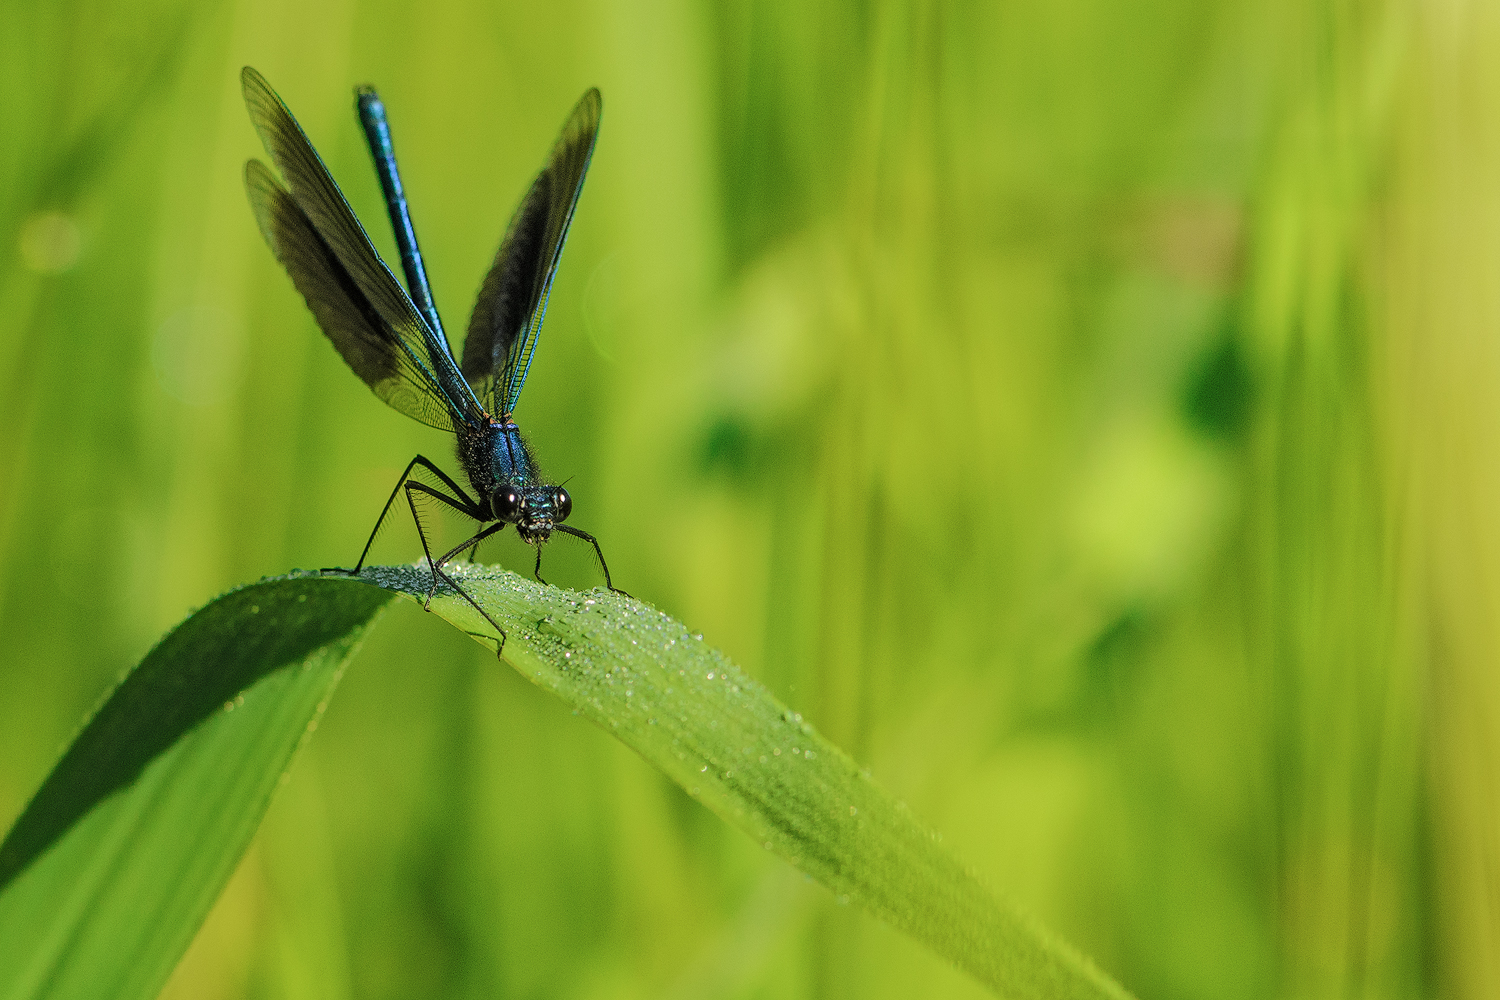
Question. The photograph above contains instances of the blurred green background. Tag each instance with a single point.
(1086, 414)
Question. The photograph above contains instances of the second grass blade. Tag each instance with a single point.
(107, 875)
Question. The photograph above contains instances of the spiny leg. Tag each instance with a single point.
(469, 507)
(537, 571)
(479, 536)
(470, 543)
(461, 592)
(437, 566)
(595, 543)
(413, 487)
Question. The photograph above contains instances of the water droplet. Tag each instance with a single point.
(710, 675)
(853, 811)
(777, 751)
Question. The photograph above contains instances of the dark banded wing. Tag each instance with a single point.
(362, 337)
(357, 301)
(508, 314)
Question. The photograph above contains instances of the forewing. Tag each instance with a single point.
(358, 331)
(513, 299)
(424, 355)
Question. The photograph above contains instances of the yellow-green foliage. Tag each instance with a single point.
(1084, 414)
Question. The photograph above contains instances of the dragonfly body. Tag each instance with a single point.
(393, 338)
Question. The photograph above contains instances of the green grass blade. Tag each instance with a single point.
(112, 867)
(683, 706)
(106, 876)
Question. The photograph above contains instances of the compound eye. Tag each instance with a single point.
(562, 505)
(507, 504)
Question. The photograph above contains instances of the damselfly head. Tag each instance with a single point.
(533, 510)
